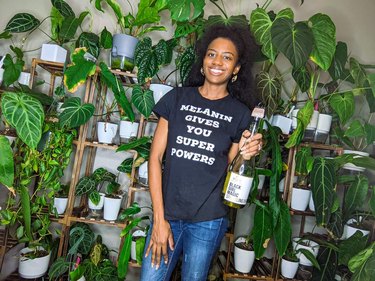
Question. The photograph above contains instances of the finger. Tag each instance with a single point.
(148, 249)
(157, 257)
(171, 242)
(164, 251)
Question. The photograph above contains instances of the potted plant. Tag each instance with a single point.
(289, 262)
(60, 201)
(244, 254)
(112, 201)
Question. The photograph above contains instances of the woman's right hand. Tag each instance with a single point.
(161, 238)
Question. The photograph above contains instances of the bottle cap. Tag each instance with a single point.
(258, 112)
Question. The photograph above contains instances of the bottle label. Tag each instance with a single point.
(238, 189)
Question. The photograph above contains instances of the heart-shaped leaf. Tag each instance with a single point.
(232, 20)
(343, 105)
(63, 7)
(185, 10)
(358, 73)
(85, 185)
(270, 91)
(106, 40)
(126, 166)
(322, 178)
(336, 70)
(81, 239)
(77, 73)
(186, 62)
(143, 100)
(302, 77)
(25, 114)
(355, 196)
(6, 162)
(94, 196)
(355, 130)
(90, 41)
(11, 70)
(74, 113)
(22, 22)
(294, 40)
(261, 24)
(324, 32)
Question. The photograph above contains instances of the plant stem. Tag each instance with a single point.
(221, 10)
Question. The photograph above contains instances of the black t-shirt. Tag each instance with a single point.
(200, 134)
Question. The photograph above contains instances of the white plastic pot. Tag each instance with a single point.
(60, 204)
(323, 127)
(312, 246)
(352, 167)
(284, 123)
(350, 230)
(100, 205)
(53, 52)
(32, 268)
(24, 78)
(128, 130)
(261, 181)
(311, 204)
(111, 208)
(159, 90)
(106, 132)
(143, 173)
(243, 259)
(289, 268)
(300, 198)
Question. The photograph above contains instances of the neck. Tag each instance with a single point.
(213, 92)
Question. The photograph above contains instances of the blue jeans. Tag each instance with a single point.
(196, 242)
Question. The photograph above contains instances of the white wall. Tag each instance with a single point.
(354, 25)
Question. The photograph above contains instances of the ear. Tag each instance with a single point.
(236, 69)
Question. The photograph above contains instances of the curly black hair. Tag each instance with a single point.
(242, 89)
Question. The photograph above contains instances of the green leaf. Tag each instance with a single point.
(102, 175)
(143, 100)
(124, 257)
(79, 71)
(5, 35)
(367, 271)
(324, 33)
(75, 114)
(355, 129)
(371, 80)
(322, 178)
(26, 210)
(90, 41)
(85, 185)
(261, 25)
(355, 196)
(358, 73)
(186, 62)
(302, 77)
(126, 166)
(11, 70)
(263, 233)
(81, 239)
(343, 105)
(139, 246)
(6, 162)
(149, 58)
(185, 10)
(22, 22)
(360, 259)
(294, 40)
(372, 202)
(130, 211)
(63, 7)
(302, 158)
(117, 88)
(283, 231)
(94, 196)
(68, 29)
(106, 40)
(231, 21)
(133, 144)
(58, 268)
(327, 264)
(56, 22)
(270, 91)
(336, 70)
(25, 114)
(350, 247)
(77, 273)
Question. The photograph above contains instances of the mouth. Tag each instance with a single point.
(215, 71)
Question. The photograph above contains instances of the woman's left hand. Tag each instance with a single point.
(250, 146)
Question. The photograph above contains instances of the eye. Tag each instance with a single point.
(227, 57)
(210, 54)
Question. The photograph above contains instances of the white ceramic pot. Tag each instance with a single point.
(311, 204)
(313, 121)
(262, 178)
(111, 208)
(243, 259)
(300, 198)
(282, 183)
(312, 246)
(106, 132)
(100, 205)
(159, 90)
(350, 166)
(128, 130)
(32, 268)
(284, 123)
(60, 204)
(53, 52)
(143, 173)
(323, 127)
(289, 268)
(351, 230)
(133, 250)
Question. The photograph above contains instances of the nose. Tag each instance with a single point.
(217, 60)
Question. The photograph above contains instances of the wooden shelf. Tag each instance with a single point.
(100, 221)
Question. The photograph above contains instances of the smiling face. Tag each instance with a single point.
(220, 61)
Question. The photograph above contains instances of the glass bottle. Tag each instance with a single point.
(240, 175)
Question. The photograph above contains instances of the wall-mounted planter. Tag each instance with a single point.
(107, 132)
(53, 52)
(300, 198)
(122, 54)
(159, 90)
(32, 268)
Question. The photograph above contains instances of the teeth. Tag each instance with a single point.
(216, 71)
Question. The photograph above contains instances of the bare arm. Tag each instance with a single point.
(161, 235)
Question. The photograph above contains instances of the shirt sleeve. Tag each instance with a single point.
(165, 105)
(244, 124)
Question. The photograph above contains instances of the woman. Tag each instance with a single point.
(200, 130)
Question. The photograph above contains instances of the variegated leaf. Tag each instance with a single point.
(74, 113)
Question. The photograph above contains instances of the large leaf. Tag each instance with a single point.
(118, 90)
(283, 231)
(294, 40)
(124, 257)
(22, 22)
(85, 185)
(126, 166)
(355, 196)
(181, 10)
(149, 58)
(324, 32)
(343, 104)
(12, 70)
(186, 62)
(78, 72)
(90, 41)
(106, 40)
(335, 225)
(363, 265)
(327, 259)
(58, 268)
(6, 162)
(133, 144)
(232, 20)
(68, 29)
(270, 91)
(81, 239)
(74, 113)
(355, 129)
(56, 22)
(303, 161)
(359, 74)
(63, 7)
(323, 183)
(25, 114)
(143, 100)
(263, 232)
(351, 246)
(336, 70)
(261, 24)
(130, 212)
(302, 77)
